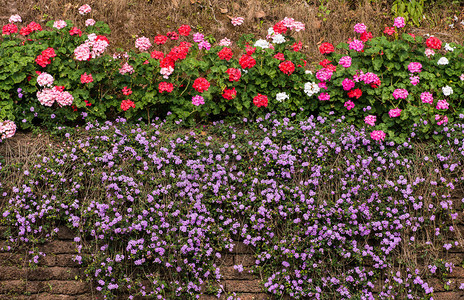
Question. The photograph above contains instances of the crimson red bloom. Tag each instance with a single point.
(160, 39)
(59, 88)
(297, 46)
(247, 62)
(126, 91)
(87, 103)
(355, 93)
(165, 87)
(413, 35)
(172, 35)
(229, 94)
(157, 55)
(167, 62)
(279, 28)
(74, 31)
(9, 29)
(126, 104)
(250, 50)
(86, 78)
(25, 31)
(287, 67)
(326, 48)
(389, 30)
(102, 38)
(234, 74)
(325, 62)
(201, 84)
(42, 61)
(177, 53)
(279, 56)
(184, 30)
(260, 100)
(49, 53)
(34, 26)
(225, 53)
(366, 36)
(433, 42)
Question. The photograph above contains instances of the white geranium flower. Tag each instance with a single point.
(311, 88)
(278, 39)
(308, 72)
(447, 90)
(443, 61)
(449, 48)
(282, 96)
(262, 43)
(270, 31)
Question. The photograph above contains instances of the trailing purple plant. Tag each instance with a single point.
(329, 212)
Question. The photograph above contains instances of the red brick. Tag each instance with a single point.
(245, 260)
(448, 296)
(58, 247)
(244, 286)
(458, 272)
(12, 273)
(231, 273)
(52, 273)
(64, 233)
(254, 296)
(226, 259)
(242, 248)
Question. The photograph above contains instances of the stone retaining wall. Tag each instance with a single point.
(57, 277)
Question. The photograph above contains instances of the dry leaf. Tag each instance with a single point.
(236, 6)
(260, 14)
(224, 10)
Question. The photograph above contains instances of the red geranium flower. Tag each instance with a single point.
(165, 87)
(172, 35)
(9, 29)
(326, 48)
(184, 30)
(260, 100)
(247, 62)
(157, 55)
(366, 36)
(279, 28)
(74, 31)
(126, 91)
(325, 62)
(160, 39)
(42, 61)
(86, 78)
(49, 53)
(389, 30)
(250, 50)
(433, 42)
(201, 84)
(225, 53)
(102, 38)
(126, 104)
(234, 74)
(355, 93)
(287, 67)
(229, 94)
(279, 56)
(297, 46)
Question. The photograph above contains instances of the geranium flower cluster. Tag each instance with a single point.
(7, 129)
(93, 47)
(44, 58)
(48, 96)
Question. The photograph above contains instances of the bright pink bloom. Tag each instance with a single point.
(347, 84)
(324, 97)
(415, 67)
(85, 9)
(400, 94)
(59, 24)
(142, 43)
(393, 113)
(426, 97)
(399, 22)
(442, 104)
(345, 61)
(126, 104)
(126, 91)
(360, 28)
(349, 104)
(74, 31)
(389, 30)
(370, 120)
(7, 129)
(441, 119)
(356, 45)
(198, 100)
(378, 135)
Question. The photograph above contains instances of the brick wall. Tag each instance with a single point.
(55, 278)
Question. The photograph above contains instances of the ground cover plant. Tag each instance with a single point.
(334, 175)
(329, 212)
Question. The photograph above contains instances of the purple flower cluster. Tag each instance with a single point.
(157, 205)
